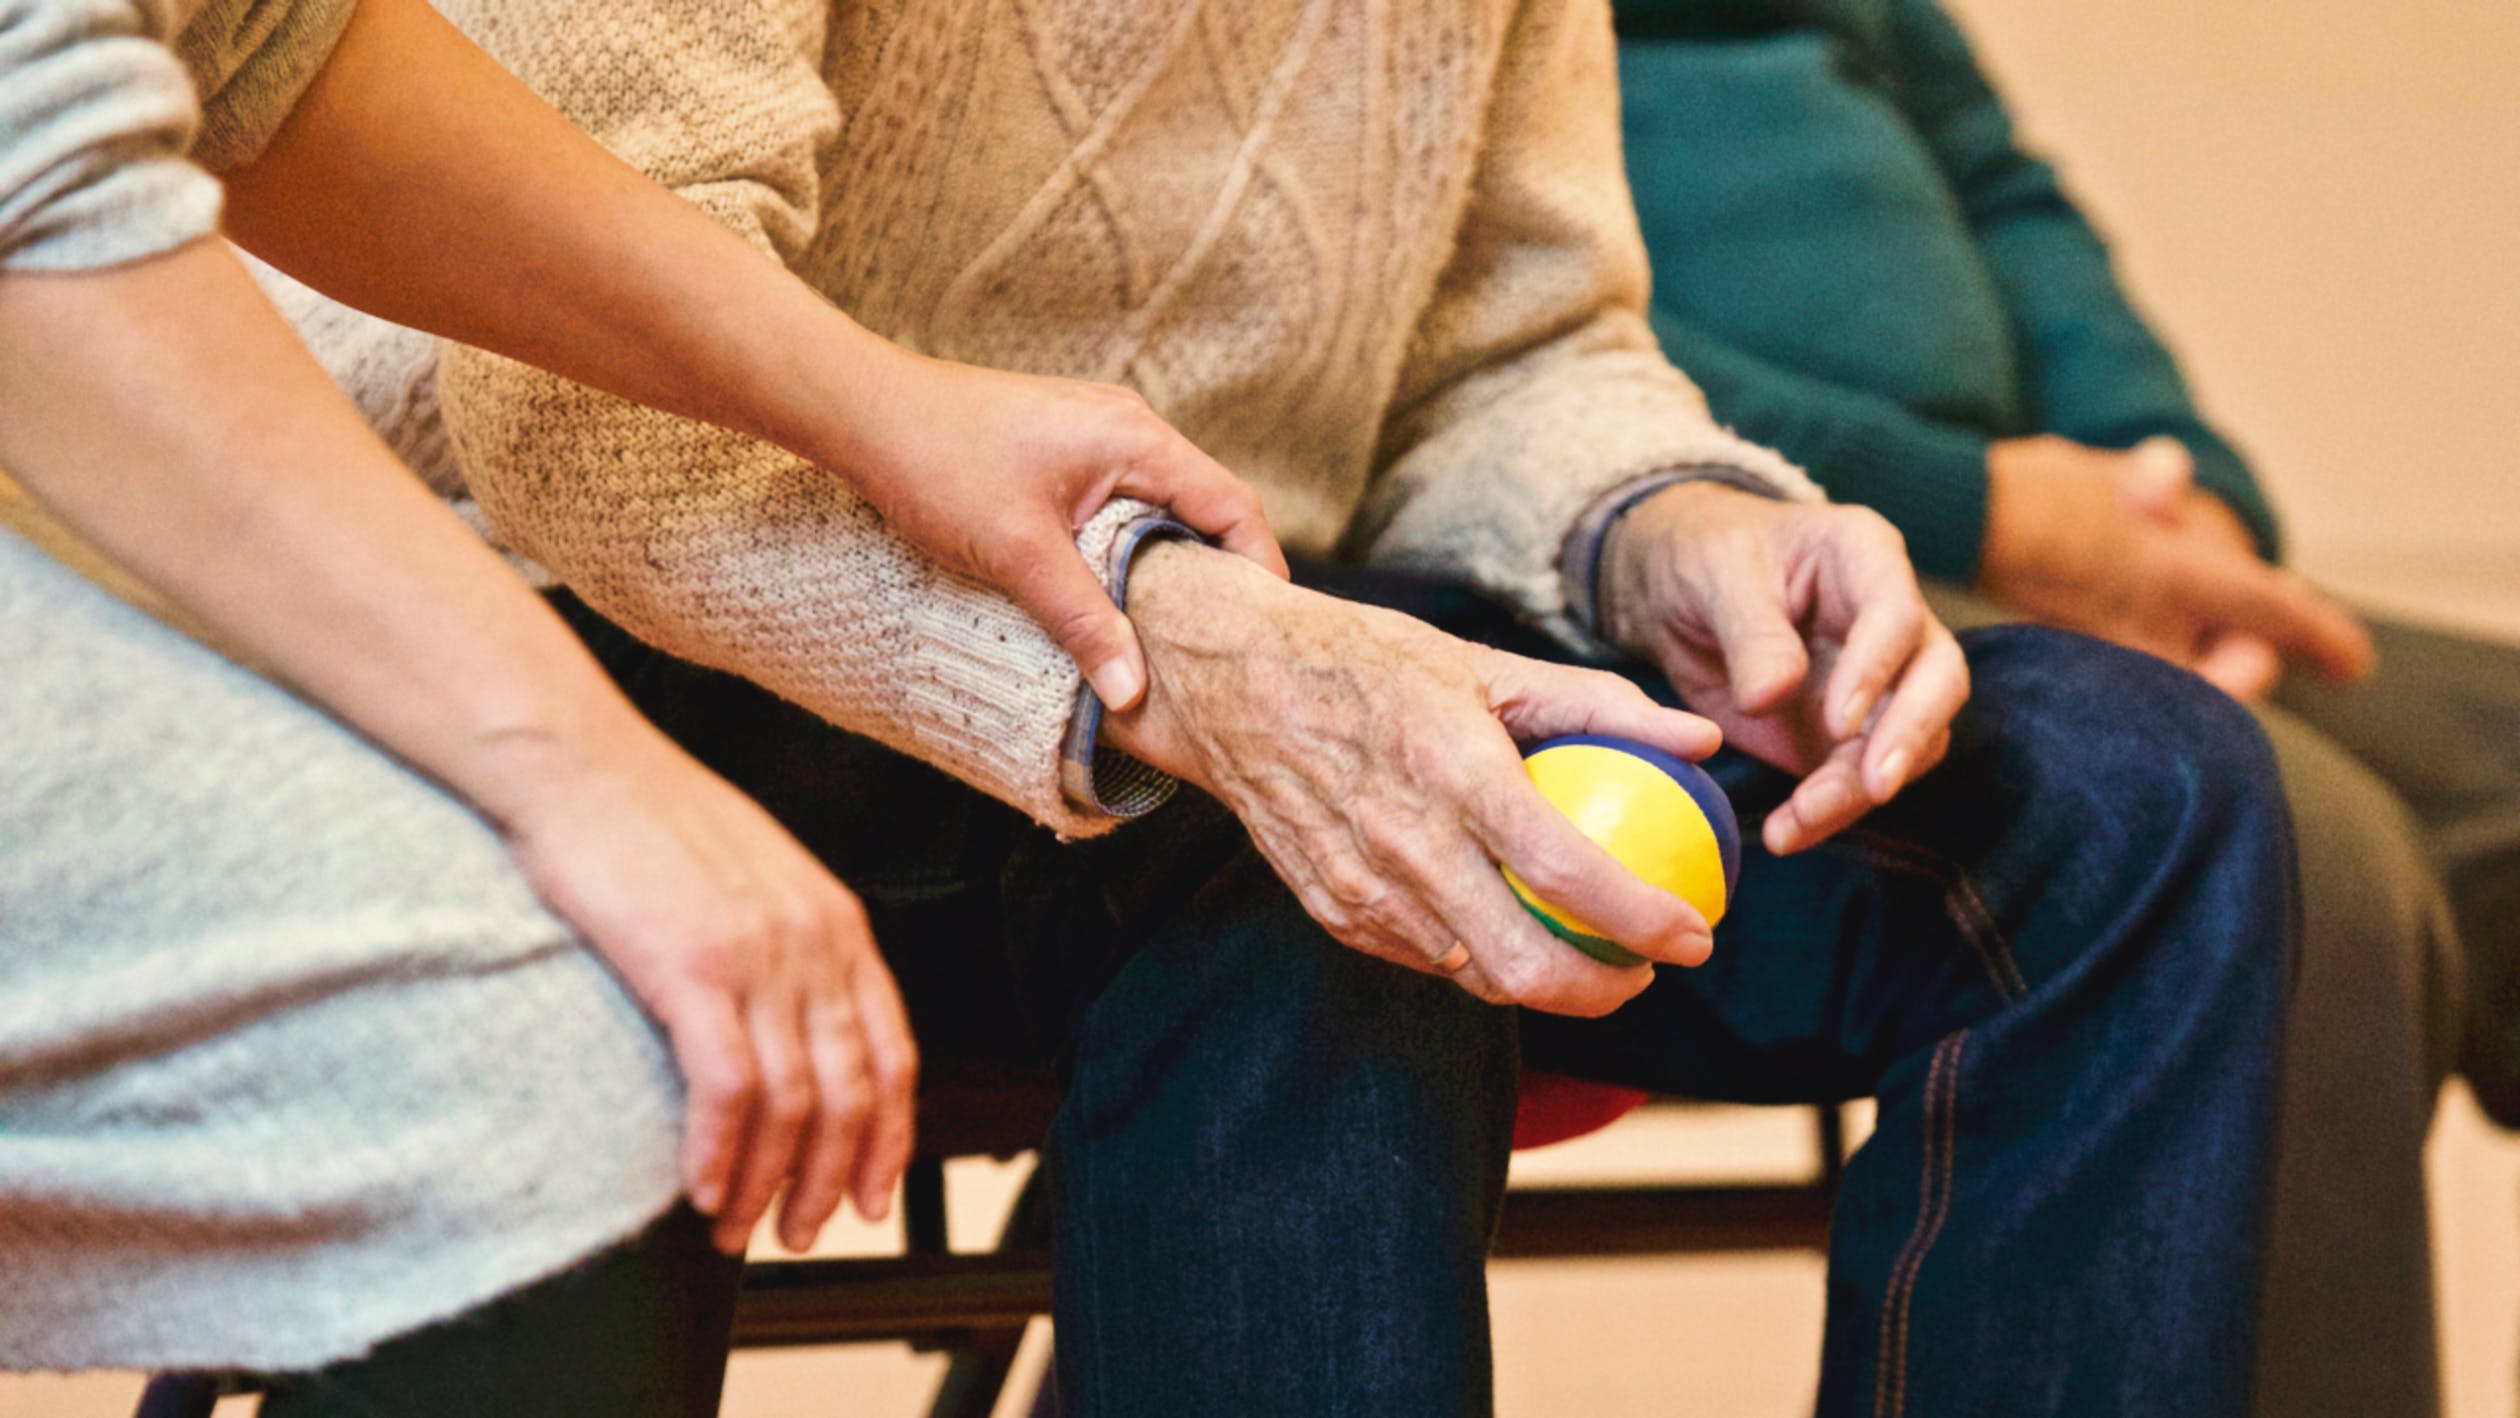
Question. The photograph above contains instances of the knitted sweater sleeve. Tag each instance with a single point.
(712, 546)
(1534, 388)
(105, 129)
(2092, 369)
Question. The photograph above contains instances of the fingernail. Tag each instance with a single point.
(1851, 713)
(1118, 683)
(1781, 834)
(1894, 768)
(707, 1197)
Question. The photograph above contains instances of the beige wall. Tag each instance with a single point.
(2320, 201)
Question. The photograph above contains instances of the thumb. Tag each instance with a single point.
(1057, 589)
(1197, 489)
(2154, 477)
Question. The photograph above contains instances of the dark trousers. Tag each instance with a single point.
(637, 1332)
(2058, 961)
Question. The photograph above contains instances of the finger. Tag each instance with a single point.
(720, 1083)
(1929, 696)
(2241, 665)
(1517, 958)
(777, 1026)
(2155, 477)
(1886, 636)
(1936, 748)
(1538, 701)
(1829, 799)
(1556, 862)
(827, 1160)
(1764, 657)
(1204, 496)
(1051, 581)
(893, 1072)
(2295, 617)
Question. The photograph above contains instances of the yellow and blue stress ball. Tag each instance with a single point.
(1660, 816)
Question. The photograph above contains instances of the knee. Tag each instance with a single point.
(2379, 953)
(2137, 750)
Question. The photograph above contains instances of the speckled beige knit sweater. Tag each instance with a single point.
(1377, 258)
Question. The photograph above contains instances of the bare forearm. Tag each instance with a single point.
(175, 422)
(420, 182)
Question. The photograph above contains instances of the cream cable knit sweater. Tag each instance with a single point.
(1377, 258)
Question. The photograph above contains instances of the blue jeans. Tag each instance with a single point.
(2058, 961)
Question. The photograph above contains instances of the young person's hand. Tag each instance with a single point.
(992, 473)
(1373, 760)
(2124, 546)
(1800, 629)
(798, 1060)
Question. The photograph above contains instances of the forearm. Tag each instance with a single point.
(174, 422)
(414, 164)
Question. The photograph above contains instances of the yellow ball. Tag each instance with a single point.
(1659, 816)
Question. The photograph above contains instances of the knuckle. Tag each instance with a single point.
(1549, 866)
(848, 914)
(1879, 528)
(723, 1081)
(896, 1071)
(800, 921)
(788, 1096)
(1520, 976)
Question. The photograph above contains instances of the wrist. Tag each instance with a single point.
(1199, 613)
(1630, 552)
(834, 392)
(562, 748)
(2017, 526)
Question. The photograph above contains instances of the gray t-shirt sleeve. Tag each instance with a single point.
(104, 138)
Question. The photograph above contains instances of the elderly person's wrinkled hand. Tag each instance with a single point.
(1374, 761)
(1797, 627)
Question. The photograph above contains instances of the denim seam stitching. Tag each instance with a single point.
(1942, 1097)
(1968, 910)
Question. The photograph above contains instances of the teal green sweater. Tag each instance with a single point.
(1860, 267)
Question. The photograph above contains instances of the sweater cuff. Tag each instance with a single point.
(1095, 778)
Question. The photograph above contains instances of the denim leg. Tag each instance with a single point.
(1277, 1169)
(2060, 963)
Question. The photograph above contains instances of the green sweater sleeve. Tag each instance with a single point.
(2092, 370)
(1927, 477)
